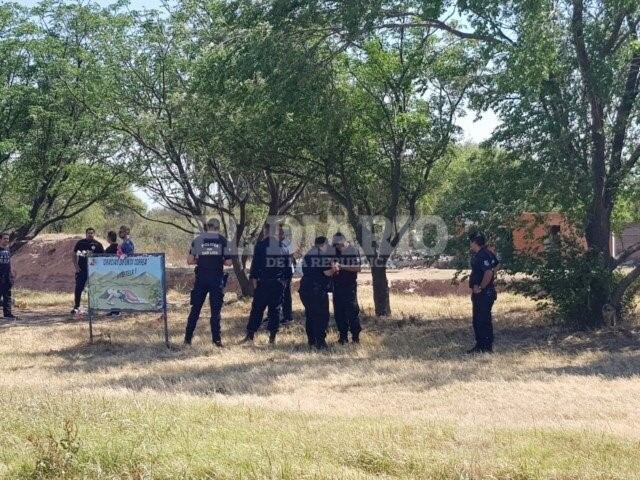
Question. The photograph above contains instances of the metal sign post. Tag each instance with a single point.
(164, 302)
(90, 315)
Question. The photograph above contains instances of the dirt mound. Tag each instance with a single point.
(428, 288)
(46, 263)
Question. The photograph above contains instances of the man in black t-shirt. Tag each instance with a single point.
(6, 276)
(345, 290)
(483, 292)
(85, 247)
(112, 238)
(209, 253)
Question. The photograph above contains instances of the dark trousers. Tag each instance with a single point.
(482, 320)
(346, 310)
(81, 281)
(316, 311)
(268, 295)
(214, 287)
(287, 314)
(5, 294)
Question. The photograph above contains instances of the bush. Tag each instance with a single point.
(56, 457)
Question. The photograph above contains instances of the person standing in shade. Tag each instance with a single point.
(7, 277)
(112, 238)
(270, 272)
(127, 247)
(113, 249)
(317, 270)
(87, 246)
(209, 254)
(483, 292)
(345, 289)
(287, 306)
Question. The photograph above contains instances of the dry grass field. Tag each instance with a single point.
(406, 403)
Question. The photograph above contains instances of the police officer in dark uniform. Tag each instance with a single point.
(271, 269)
(317, 270)
(345, 289)
(6, 276)
(483, 292)
(209, 253)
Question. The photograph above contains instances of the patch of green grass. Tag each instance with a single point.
(122, 435)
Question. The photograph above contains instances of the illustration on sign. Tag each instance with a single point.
(133, 283)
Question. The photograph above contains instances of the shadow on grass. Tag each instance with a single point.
(204, 370)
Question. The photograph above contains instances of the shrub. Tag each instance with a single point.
(56, 457)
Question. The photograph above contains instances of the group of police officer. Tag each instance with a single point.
(329, 266)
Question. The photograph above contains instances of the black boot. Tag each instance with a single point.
(272, 338)
(475, 350)
(343, 340)
(248, 339)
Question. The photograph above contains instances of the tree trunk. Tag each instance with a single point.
(19, 239)
(598, 236)
(246, 287)
(380, 289)
(617, 300)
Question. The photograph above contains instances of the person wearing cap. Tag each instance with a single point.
(317, 270)
(483, 292)
(345, 289)
(209, 253)
(271, 269)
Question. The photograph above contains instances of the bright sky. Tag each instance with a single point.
(135, 4)
(480, 130)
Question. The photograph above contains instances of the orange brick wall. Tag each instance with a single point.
(534, 229)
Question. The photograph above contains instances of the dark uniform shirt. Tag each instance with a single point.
(112, 249)
(211, 251)
(482, 262)
(349, 257)
(271, 261)
(314, 264)
(5, 265)
(85, 246)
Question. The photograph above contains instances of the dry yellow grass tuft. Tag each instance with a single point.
(548, 404)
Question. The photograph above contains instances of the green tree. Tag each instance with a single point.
(364, 119)
(59, 156)
(565, 80)
(173, 100)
